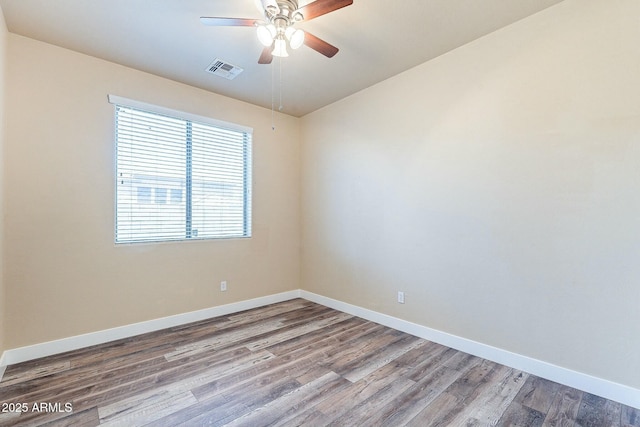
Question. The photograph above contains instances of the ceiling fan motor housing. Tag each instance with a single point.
(285, 13)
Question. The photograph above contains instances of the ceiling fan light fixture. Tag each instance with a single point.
(276, 30)
(296, 39)
(280, 48)
(270, 6)
(288, 32)
(266, 33)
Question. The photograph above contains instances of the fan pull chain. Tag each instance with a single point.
(273, 125)
(280, 65)
(273, 94)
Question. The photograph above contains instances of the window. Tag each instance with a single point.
(179, 176)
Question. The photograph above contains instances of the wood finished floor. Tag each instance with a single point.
(289, 364)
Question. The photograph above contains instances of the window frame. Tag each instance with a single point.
(190, 118)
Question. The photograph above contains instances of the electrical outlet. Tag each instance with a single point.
(401, 297)
(223, 285)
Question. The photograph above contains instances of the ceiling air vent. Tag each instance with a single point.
(224, 69)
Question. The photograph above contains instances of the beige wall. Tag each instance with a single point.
(64, 276)
(498, 186)
(3, 54)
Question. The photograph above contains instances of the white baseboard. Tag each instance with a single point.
(598, 386)
(22, 354)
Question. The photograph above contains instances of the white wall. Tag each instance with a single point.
(64, 276)
(498, 186)
(3, 55)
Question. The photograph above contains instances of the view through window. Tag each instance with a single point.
(180, 179)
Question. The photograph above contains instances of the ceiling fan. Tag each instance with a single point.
(277, 29)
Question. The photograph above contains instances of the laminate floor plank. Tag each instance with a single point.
(564, 408)
(249, 325)
(37, 372)
(360, 368)
(261, 313)
(294, 332)
(519, 415)
(406, 406)
(79, 377)
(87, 418)
(491, 404)
(287, 406)
(248, 334)
(216, 410)
(537, 394)
(98, 353)
(294, 363)
(342, 358)
(362, 411)
(94, 388)
(242, 400)
(612, 413)
(629, 417)
(145, 407)
(594, 412)
(10, 417)
(333, 407)
(424, 359)
(306, 418)
(177, 377)
(330, 337)
(449, 404)
(224, 338)
(250, 376)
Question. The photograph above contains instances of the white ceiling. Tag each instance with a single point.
(377, 39)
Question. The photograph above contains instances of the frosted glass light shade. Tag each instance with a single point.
(280, 48)
(297, 39)
(265, 35)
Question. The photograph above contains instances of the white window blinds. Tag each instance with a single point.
(179, 178)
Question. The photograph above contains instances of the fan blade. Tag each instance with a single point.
(320, 45)
(234, 22)
(266, 57)
(322, 7)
